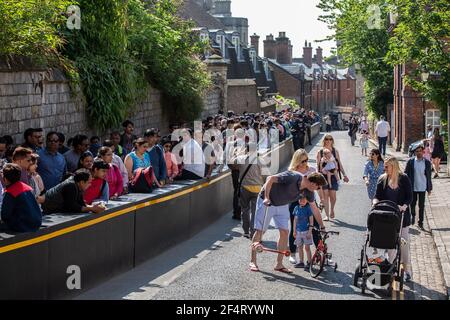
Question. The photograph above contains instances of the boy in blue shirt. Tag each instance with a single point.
(303, 223)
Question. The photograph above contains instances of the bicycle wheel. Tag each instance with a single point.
(317, 262)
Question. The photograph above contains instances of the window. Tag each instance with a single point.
(220, 39)
(433, 118)
(237, 47)
(252, 54)
(267, 70)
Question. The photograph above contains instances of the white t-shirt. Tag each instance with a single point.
(382, 129)
(193, 158)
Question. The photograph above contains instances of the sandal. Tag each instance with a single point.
(326, 219)
(332, 215)
(284, 270)
(253, 267)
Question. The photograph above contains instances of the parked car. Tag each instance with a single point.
(412, 147)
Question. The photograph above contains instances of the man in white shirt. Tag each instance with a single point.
(382, 131)
(193, 159)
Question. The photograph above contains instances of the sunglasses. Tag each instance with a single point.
(167, 146)
(328, 139)
(304, 161)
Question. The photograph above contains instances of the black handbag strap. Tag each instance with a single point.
(243, 176)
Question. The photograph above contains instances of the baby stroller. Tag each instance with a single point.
(384, 225)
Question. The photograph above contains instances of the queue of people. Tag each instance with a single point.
(84, 174)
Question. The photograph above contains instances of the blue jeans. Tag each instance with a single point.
(382, 145)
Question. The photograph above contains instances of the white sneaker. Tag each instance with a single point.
(292, 260)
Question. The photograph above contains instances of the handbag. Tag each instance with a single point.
(142, 181)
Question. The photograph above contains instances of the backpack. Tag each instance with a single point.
(142, 181)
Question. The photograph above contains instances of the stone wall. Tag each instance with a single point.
(212, 103)
(242, 96)
(44, 99)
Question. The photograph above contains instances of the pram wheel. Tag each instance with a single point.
(402, 280)
(358, 274)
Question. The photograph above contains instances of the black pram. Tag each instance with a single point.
(384, 225)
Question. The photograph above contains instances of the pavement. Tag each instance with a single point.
(214, 264)
(430, 249)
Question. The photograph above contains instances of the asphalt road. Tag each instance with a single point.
(214, 264)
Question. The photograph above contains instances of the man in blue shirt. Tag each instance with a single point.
(418, 170)
(156, 155)
(52, 164)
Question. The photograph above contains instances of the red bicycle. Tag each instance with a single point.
(321, 256)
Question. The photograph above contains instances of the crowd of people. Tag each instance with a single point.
(45, 174)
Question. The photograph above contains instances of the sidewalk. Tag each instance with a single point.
(430, 249)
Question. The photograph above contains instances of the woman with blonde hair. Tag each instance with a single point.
(299, 163)
(328, 192)
(395, 186)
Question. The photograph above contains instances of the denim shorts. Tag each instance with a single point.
(334, 184)
(301, 239)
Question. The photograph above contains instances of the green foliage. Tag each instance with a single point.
(363, 46)
(282, 102)
(32, 28)
(421, 39)
(165, 45)
(122, 46)
(111, 79)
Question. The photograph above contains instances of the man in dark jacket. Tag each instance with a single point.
(298, 129)
(156, 154)
(67, 197)
(418, 170)
(20, 211)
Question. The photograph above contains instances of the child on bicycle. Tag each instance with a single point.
(303, 224)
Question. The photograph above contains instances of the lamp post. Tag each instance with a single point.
(424, 75)
(448, 129)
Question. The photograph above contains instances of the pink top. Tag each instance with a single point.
(115, 180)
(427, 153)
(171, 164)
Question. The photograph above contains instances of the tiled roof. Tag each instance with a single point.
(192, 11)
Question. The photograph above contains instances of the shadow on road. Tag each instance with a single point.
(339, 223)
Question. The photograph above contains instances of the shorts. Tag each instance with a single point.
(334, 184)
(279, 214)
(302, 240)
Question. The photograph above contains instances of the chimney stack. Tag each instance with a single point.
(255, 42)
(319, 57)
(270, 47)
(307, 55)
(282, 48)
(290, 52)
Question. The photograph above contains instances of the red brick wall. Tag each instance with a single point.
(288, 86)
(409, 109)
(346, 92)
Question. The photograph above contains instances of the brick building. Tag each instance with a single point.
(313, 83)
(411, 113)
(249, 82)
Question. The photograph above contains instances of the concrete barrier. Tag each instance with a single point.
(135, 228)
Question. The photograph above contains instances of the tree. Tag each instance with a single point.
(421, 37)
(362, 36)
